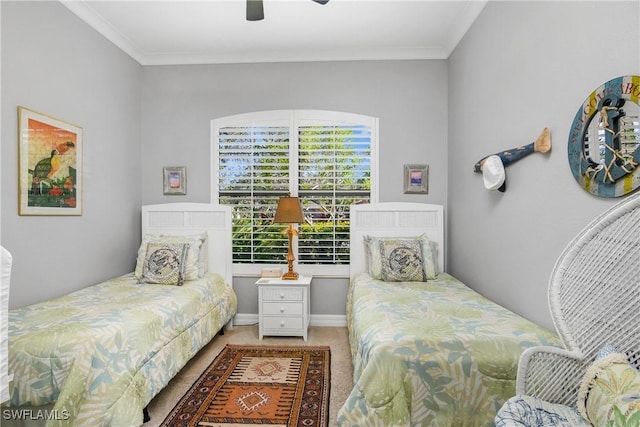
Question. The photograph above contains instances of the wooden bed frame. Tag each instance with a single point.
(394, 219)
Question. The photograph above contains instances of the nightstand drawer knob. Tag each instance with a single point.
(282, 324)
(281, 309)
(282, 295)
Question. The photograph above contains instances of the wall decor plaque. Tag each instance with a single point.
(50, 165)
(416, 179)
(174, 180)
(604, 139)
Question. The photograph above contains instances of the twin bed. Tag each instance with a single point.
(429, 351)
(100, 354)
(426, 349)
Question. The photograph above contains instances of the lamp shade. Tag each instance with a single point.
(289, 210)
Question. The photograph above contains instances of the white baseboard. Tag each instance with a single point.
(326, 320)
(245, 319)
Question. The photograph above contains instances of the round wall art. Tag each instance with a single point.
(604, 140)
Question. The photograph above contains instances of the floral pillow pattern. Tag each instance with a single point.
(610, 392)
(529, 411)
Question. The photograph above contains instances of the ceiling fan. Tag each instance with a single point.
(255, 11)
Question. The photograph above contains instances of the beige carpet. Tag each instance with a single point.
(336, 338)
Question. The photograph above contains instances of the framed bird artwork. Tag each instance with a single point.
(50, 165)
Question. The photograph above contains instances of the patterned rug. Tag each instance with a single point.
(248, 385)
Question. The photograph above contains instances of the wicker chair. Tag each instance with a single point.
(594, 299)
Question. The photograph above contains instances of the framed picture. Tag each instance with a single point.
(175, 180)
(416, 179)
(50, 165)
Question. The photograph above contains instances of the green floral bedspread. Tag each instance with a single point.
(103, 352)
(431, 353)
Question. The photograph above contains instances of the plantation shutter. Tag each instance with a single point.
(327, 159)
(334, 172)
(253, 165)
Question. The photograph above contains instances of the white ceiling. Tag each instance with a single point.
(161, 32)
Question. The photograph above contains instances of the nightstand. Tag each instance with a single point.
(283, 306)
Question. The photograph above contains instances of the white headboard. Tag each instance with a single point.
(187, 219)
(391, 219)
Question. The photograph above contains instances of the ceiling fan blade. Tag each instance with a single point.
(255, 10)
(321, 1)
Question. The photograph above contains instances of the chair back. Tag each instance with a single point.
(5, 277)
(594, 289)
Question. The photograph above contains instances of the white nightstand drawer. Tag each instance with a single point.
(282, 294)
(282, 323)
(284, 308)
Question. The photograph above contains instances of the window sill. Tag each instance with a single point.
(320, 271)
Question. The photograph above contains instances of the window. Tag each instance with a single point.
(327, 159)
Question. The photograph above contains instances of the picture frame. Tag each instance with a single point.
(416, 179)
(175, 180)
(49, 165)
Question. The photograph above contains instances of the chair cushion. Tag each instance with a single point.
(610, 392)
(527, 411)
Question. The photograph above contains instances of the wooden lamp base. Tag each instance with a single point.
(290, 275)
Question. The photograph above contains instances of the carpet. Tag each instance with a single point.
(249, 385)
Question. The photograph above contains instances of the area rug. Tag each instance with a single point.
(249, 385)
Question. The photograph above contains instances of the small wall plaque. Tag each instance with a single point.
(175, 180)
(416, 179)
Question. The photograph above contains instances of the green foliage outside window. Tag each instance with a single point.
(269, 243)
(333, 172)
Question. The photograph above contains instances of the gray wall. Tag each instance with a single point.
(409, 98)
(521, 67)
(53, 63)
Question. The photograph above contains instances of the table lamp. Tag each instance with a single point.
(289, 212)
